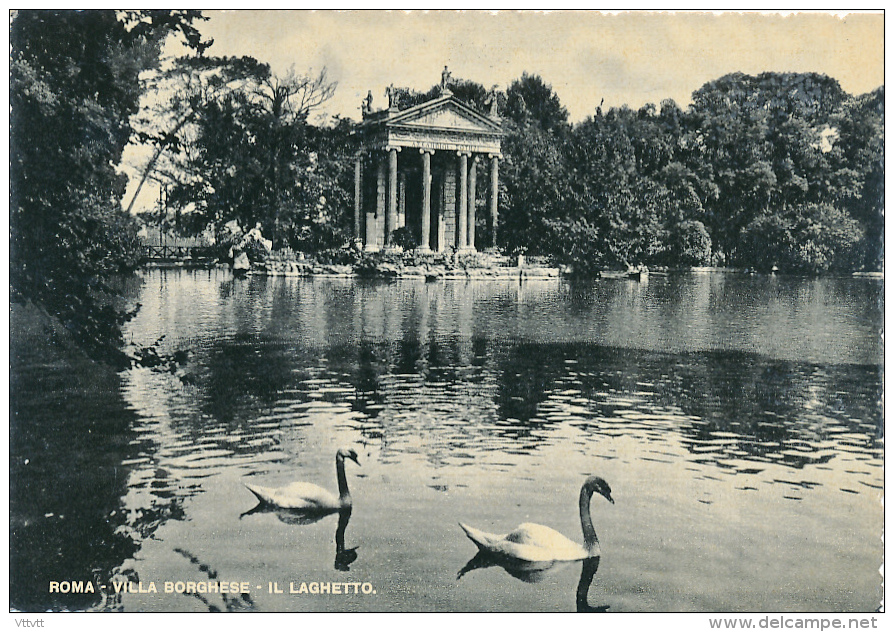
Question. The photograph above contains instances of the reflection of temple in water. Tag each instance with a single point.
(418, 169)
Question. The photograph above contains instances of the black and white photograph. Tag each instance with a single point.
(444, 311)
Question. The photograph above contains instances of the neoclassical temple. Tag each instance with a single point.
(418, 168)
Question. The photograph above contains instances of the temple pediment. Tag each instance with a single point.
(440, 124)
(445, 114)
(445, 118)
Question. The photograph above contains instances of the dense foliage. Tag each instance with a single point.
(776, 170)
(74, 84)
(240, 152)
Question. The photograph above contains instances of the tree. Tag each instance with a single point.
(857, 155)
(247, 156)
(285, 103)
(582, 247)
(534, 173)
(811, 238)
(325, 219)
(529, 97)
(74, 84)
(534, 190)
(762, 137)
(782, 158)
(188, 84)
(613, 166)
(689, 244)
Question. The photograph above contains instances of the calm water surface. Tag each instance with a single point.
(737, 419)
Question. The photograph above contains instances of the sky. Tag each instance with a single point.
(628, 58)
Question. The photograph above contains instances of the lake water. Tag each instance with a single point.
(736, 418)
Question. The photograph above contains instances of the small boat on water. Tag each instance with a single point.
(636, 274)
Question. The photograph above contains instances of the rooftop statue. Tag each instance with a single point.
(491, 102)
(391, 93)
(445, 79)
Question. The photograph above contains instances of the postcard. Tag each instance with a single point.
(436, 312)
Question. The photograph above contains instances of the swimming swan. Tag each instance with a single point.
(307, 496)
(536, 543)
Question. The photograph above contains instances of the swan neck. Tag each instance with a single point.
(586, 522)
(342, 479)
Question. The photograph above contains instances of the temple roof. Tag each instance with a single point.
(441, 123)
(445, 112)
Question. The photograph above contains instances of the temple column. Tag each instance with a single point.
(391, 211)
(375, 212)
(358, 194)
(472, 185)
(425, 237)
(401, 200)
(494, 195)
(441, 224)
(462, 202)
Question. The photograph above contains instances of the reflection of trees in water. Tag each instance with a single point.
(725, 405)
(379, 339)
(464, 396)
(409, 356)
(764, 410)
(734, 405)
(245, 372)
(770, 410)
(526, 378)
(440, 389)
(371, 366)
(435, 361)
(758, 403)
(70, 442)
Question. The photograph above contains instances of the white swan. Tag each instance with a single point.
(307, 496)
(531, 542)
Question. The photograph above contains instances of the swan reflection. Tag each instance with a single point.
(344, 557)
(587, 571)
(536, 572)
(528, 572)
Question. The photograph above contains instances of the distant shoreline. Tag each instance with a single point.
(433, 273)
